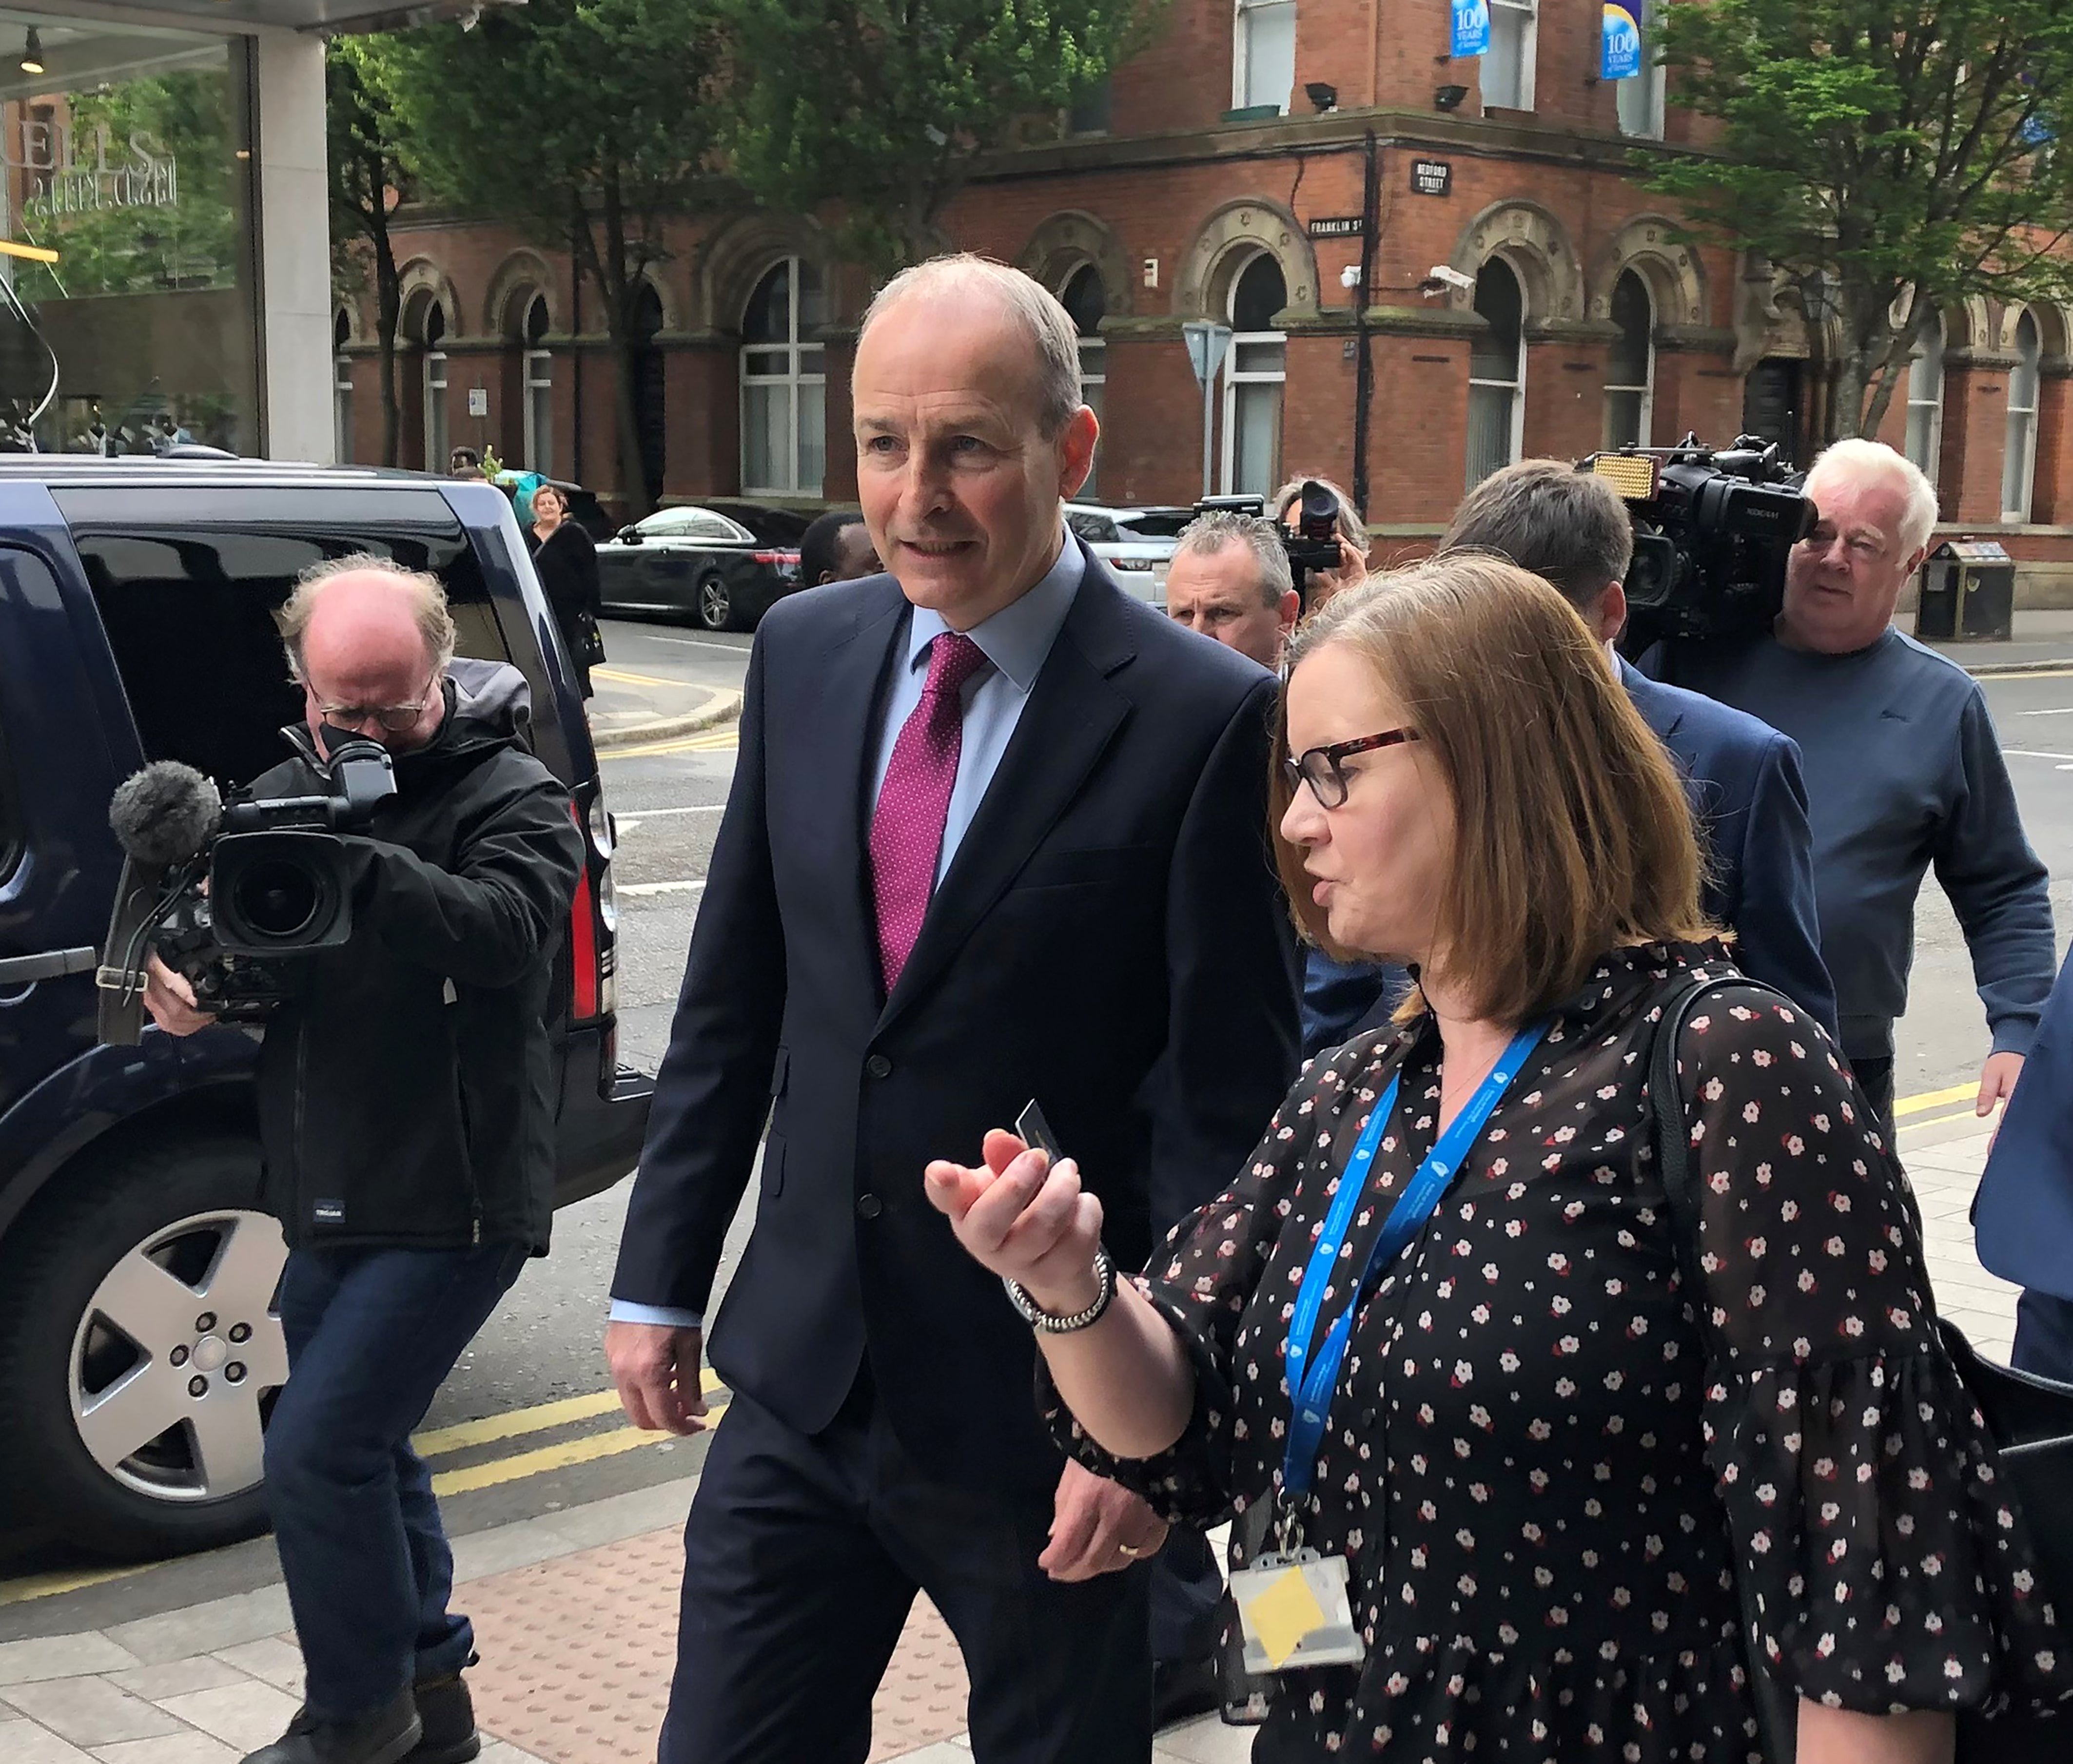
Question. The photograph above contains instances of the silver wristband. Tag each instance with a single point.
(1047, 1323)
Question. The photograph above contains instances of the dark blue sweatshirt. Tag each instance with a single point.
(1903, 771)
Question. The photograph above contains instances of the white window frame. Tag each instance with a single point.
(1233, 379)
(1652, 86)
(342, 409)
(1516, 386)
(1934, 451)
(537, 375)
(792, 379)
(1528, 13)
(1241, 54)
(1094, 380)
(433, 385)
(1646, 389)
(2020, 449)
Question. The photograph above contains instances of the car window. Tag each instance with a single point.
(190, 612)
(768, 526)
(713, 529)
(1159, 524)
(665, 524)
(1097, 529)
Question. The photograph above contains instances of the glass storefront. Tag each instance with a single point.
(126, 151)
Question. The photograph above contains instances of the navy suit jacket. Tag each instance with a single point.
(2022, 1219)
(1109, 938)
(1751, 803)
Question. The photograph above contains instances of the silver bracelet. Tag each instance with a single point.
(1047, 1323)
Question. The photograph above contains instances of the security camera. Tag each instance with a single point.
(1351, 276)
(1449, 276)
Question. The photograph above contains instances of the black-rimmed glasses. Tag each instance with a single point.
(1320, 767)
(395, 718)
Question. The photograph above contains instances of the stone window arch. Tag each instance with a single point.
(1064, 242)
(1084, 294)
(1536, 248)
(1648, 246)
(1226, 243)
(1630, 362)
(740, 255)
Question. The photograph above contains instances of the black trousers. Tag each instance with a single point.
(1875, 1078)
(802, 1558)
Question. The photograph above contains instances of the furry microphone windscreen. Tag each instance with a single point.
(166, 813)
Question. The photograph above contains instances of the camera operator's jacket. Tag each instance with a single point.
(405, 1092)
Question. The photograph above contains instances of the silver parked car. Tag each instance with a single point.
(1137, 544)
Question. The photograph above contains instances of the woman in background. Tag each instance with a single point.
(566, 560)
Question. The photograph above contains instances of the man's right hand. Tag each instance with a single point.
(659, 1374)
(170, 1000)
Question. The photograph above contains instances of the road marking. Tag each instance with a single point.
(1944, 1121)
(646, 680)
(632, 818)
(693, 643)
(711, 743)
(640, 889)
(2061, 710)
(547, 1458)
(1934, 1099)
(439, 1440)
(2025, 753)
(49, 1585)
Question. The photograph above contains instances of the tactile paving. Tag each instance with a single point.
(577, 1654)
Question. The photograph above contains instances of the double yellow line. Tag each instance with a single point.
(438, 1442)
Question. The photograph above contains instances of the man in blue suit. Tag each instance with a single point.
(1571, 528)
(2022, 1220)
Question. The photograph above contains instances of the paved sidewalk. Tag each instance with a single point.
(2042, 639)
(575, 1612)
(631, 708)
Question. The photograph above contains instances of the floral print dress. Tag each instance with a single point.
(1547, 1475)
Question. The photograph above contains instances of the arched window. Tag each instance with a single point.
(1497, 373)
(1254, 371)
(1630, 371)
(341, 392)
(539, 365)
(2019, 456)
(784, 383)
(1924, 400)
(434, 388)
(1086, 300)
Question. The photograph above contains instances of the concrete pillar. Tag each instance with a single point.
(294, 249)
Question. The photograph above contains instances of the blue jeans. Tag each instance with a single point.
(372, 1333)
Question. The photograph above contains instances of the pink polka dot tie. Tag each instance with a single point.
(907, 830)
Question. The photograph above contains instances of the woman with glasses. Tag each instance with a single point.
(566, 558)
(1531, 1479)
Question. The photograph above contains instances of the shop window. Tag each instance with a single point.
(341, 393)
(433, 383)
(1924, 400)
(1254, 372)
(1514, 36)
(2019, 455)
(784, 383)
(1630, 371)
(1263, 54)
(1497, 373)
(1086, 300)
(539, 365)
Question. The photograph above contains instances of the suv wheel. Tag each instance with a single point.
(146, 1351)
(715, 604)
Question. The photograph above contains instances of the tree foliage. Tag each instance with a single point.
(584, 123)
(369, 177)
(881, 104)
(1891, 157)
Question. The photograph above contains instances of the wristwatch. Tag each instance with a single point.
(1047, 1323)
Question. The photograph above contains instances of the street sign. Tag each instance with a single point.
(1337, 227)
(1432, 177)
(478, 400)
(1206, 345)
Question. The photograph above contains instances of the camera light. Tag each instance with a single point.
(1633, 476)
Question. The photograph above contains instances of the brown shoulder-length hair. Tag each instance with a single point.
(1572, 832)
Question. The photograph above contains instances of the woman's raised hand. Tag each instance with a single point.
(1024, 1219)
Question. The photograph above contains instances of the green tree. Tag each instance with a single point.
(1890, 158)
(369, 177)
(584, 123)
(882, 105)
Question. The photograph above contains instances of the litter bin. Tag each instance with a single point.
(1968, 592)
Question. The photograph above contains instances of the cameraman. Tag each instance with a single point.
(1229, 579)
(1903, 770)
(1348, 527)
(407, 1123)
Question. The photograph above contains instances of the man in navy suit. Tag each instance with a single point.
(996, 828)
(1571, 528)
(2022, 1219)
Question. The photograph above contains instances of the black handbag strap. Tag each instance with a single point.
(1777, 1711)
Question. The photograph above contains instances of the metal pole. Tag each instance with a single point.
(1209, 409)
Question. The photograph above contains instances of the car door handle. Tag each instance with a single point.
(51, 964)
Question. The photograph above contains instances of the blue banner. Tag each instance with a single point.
(1620, 51)
(1471, 34)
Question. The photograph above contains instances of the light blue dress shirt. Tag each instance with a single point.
(1017, 640)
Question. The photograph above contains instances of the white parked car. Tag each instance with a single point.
(1137, 544)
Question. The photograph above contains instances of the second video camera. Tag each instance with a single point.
(1712, 530)
(1312, 542)
(222, 891)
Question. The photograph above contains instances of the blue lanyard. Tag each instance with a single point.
(1311, 1383)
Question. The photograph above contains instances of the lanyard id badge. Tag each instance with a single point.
(1294, 1605)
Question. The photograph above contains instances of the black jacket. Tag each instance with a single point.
(1110, 939)
(406, 1093)
(565, 562)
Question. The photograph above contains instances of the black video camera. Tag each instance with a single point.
(1313, 544)
(227, 892)
(1711, 532)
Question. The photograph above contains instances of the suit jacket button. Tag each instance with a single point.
(869, 1206)
(878, 1065)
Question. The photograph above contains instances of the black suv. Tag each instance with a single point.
(137, 603)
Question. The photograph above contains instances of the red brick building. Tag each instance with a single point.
(1236, 170)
